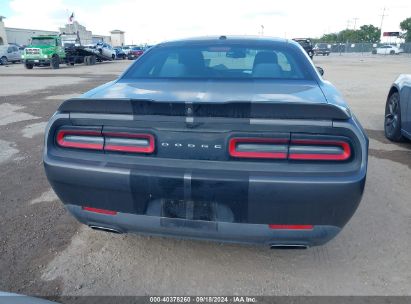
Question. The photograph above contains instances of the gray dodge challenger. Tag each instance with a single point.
(232, 139)
(398, 110)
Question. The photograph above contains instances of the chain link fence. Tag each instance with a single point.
(364, 48)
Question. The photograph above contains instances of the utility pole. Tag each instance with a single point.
(348, 23)
(355, 22)
(382, 19)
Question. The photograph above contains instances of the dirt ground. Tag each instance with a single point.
(44, 251)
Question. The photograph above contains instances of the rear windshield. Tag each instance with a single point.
(220, 62)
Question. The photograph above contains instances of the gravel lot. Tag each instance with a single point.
(44, 251)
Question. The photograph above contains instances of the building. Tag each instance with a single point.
(101, 38)
(3, 35)
(117, 37)
(23, 36)
(86, 37)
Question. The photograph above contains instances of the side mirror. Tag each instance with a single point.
(320, 70)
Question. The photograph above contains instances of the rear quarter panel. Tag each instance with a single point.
(403, 85)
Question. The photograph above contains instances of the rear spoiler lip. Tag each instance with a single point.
(252, 109)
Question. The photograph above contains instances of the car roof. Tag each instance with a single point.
(252, 40)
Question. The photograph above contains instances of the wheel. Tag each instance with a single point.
(113, 57)
(374, 52)
(3, 60)
(328, 54)
(92, 60)
(29, 66)
(124, 56)
(55, 62)
(392, 123)
(87, 60)
(392, 52)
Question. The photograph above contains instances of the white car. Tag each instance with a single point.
(387, 49)
(106, 50)
(102, 48)
(9, 53)
(126, 49)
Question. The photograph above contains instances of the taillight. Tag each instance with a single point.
(290, 227)
(107, 141)
(129, 142)
(299, 147)
(271, 148)
(307, 149)
(80, 139)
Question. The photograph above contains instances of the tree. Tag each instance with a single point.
(405, 25)
(369, 33)
(366, 33)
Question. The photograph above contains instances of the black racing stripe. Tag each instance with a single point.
(227, 189)
(149, 184)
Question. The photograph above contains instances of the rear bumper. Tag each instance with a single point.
(247, 202)
(215, 231)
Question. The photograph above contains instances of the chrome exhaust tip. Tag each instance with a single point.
(288, 246)
(105, 229)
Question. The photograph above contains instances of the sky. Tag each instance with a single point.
(152, 21)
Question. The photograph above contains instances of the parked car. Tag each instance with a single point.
(135, 52)
(194, 141)
(307, 45)
(120, 53)
(9, 53)
(388, 49)
(397, 124)
(126, 49)
(322, 49)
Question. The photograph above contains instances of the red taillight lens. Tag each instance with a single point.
(107, 141)
(80, 139)
(128, 142)
(319, 148)
(270, 148)
(101, 211)
(291, 227)
(307, 149)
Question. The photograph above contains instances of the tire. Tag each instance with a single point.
(374, 52)
(3, 60)
(392, 52)
(55, 62)
(113, 57)
(92, 60)
(29, 66)
(328, 54)
(392, 120)
(87, 60)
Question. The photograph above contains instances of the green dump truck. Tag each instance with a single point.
(44, 51)
(54, 50)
